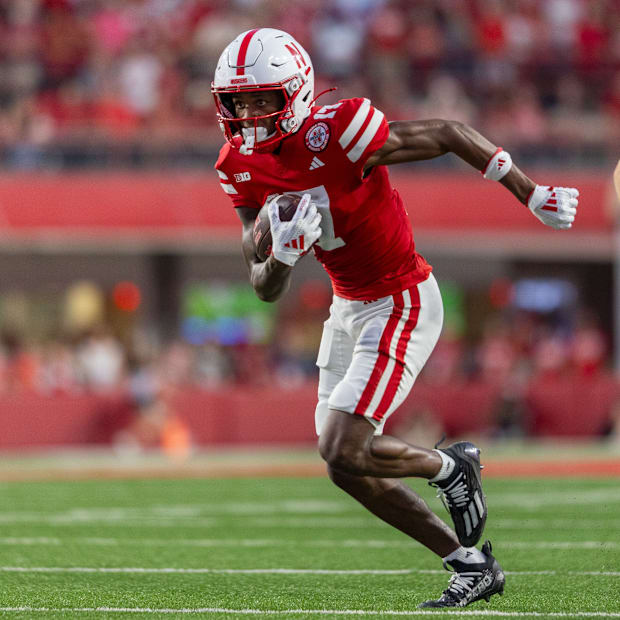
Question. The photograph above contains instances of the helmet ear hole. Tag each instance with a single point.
(292, 86)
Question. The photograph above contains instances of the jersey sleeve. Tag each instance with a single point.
(361, 130)
(228, 184)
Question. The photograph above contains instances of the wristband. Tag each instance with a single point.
(498, 166)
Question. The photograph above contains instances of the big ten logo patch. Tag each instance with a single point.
(242, 176)
(317, 137)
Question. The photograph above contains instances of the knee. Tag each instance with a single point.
(346, 482)
(341, 455)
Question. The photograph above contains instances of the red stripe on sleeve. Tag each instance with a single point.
(361, 130)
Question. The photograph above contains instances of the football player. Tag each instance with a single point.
(387, 313)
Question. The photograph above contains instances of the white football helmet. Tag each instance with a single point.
(263, 59)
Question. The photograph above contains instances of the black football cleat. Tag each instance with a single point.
(471, 582)
(461, 493)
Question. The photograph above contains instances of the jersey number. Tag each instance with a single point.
(327, 111)
(328, 240)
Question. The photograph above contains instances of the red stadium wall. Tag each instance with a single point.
(179, 205)
(563, 408)
(85, 207)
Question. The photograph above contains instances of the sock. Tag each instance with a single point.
(447, 466)
(467, 555)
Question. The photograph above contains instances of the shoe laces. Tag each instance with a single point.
(461, 584)
(456, 493)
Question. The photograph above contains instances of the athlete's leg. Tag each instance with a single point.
(391, 348)
(389, 499)
(348, 443)
(398, 505)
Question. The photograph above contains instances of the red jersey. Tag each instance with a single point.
(366, 245)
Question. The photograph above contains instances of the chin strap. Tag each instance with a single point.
(252, 136)
(247, 148)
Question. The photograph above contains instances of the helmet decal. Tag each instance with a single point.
(243, 50)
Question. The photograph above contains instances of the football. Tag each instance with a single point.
(287, 204)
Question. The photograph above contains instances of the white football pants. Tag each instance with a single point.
(372, 351)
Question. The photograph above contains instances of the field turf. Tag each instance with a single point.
(290, 548)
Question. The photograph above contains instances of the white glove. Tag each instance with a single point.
(291, 240)
(554, 206)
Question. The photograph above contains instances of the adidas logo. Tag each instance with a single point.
(315, 163)
(296, 244)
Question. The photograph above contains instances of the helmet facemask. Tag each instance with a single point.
(255, 135)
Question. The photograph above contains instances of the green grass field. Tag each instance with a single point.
(290, 548)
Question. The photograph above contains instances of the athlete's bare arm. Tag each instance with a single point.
(418, 140)
(271, 278)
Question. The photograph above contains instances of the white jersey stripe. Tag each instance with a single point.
(369, 133)
(222, 175)
(355, 124)
(228, 188)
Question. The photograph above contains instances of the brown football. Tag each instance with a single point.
(262, 227)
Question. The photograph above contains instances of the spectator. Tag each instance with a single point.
(87, 75)
(101, 361)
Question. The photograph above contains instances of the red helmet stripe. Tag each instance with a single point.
(295, 53)
(243, 50)
(301, 56)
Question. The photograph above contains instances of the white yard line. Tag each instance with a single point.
(280, 542)
(567, 524)
(273, 571)
(321, 508)
(316, 612)
(566, 497)
(201, 571)
(180, 513)
(346, 521)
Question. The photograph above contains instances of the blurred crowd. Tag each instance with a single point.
(127, 82)
(506, 353)
(513, 348)
(99, 362)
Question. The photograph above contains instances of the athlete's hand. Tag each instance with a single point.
(554, 206)
(291, 240)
